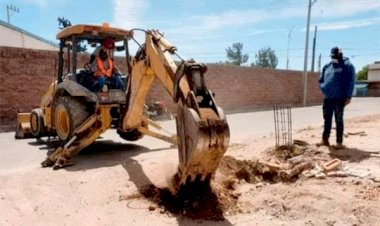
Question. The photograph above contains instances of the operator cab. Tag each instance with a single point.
(76, 67)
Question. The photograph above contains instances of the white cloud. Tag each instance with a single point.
(40, 3)
(341, 25)
(326, 8)
(264, 31)
(127, 13)
(207, 25)
(339, 8)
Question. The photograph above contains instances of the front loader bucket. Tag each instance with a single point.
(23, 126)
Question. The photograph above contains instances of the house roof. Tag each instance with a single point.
(10, 26)
(375, 66)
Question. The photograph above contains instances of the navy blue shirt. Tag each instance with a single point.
(337, 79)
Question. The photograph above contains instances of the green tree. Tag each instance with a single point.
(235, 54)
(265, 57)
(362, 74)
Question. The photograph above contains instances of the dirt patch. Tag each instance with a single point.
(202, 200)
(198, 200)
(274, 176)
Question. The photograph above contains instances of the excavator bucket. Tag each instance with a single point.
(23, 126)
(202, 129)
(201, 145)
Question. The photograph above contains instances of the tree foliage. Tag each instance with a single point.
(362, 74)
(265, 57)
(235, 54)
(63, 23)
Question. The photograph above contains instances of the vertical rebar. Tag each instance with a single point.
(283, 125)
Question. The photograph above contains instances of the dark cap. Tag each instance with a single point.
(336, 51)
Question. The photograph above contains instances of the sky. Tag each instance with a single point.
(204, 29)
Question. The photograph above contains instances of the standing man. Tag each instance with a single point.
(337, 84)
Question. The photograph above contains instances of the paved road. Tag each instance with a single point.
(17, 154)
(262, 123)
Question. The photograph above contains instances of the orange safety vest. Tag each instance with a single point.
(101, 70)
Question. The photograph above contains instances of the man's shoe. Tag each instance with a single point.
(339, 146)
(324, 142)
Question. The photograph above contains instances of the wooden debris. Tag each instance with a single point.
(337, 174)
(273, 166)
(297, 169)
(300, 143)
(356, 133)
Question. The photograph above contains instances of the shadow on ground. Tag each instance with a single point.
(198, 204)
(192, 206)
(350, 154)
(102, 153)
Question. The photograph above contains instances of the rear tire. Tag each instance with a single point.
(70, 113)
(37, 125)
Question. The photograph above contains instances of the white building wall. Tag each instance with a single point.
(13, 38)
(374, 72)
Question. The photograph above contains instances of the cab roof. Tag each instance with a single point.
(85, 31)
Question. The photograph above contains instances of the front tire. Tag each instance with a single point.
(70, 113)
(37, 124)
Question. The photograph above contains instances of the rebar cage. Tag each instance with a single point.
(283, 125)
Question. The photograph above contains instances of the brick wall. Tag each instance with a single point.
(240, 89)
(25, 75)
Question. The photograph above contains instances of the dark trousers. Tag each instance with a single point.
(333, 106)
(115, 82)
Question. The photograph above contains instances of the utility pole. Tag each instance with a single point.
(319, 62)
(287, 52)
(313, 56)
(304, 94)
(10, 10)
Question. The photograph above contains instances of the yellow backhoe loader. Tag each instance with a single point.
(75, 113)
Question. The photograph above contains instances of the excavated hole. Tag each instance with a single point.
(200, 200)
(197, 200)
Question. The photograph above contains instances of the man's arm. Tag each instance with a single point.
(95, 54)
(321, 76)
(351, 81)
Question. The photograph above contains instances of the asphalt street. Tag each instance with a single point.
(17, 154)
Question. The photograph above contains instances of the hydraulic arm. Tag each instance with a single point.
(202, 129)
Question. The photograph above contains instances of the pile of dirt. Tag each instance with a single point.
(211, 201)
(282, 164)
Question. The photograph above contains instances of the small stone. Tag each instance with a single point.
(259, 185)
(152, 208)
(308, 174)
(376, 179)
(320, 176)
(162, 211)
